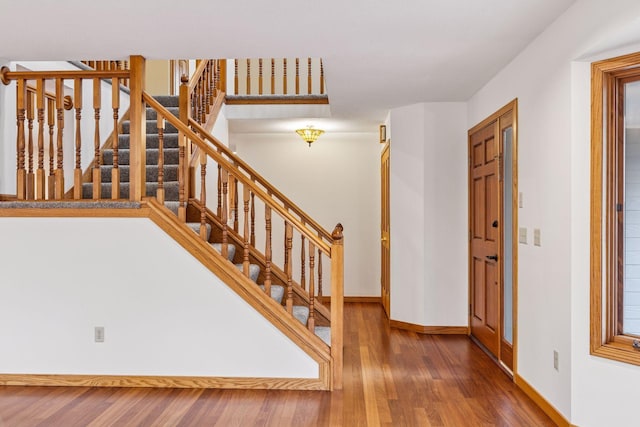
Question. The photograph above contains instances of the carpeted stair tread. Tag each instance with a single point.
(168, 100)
(172, 206)
(195, 226)
(171, 190)
(153, 114)
(324, 333)
(152, 127)
(254, 271)
(277, 292)
(153, 141)
(301, 313)
(231, 250)
(171, 156)
(170, 173)
(71, 204)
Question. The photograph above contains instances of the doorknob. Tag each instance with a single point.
(384, 239)
(493, 257)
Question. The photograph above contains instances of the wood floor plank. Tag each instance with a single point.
(391, 378)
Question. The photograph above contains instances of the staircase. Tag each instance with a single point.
(227, 228)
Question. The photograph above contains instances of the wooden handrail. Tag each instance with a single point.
(233, 170)
(193, 80)
(6, 75)
(255, 176)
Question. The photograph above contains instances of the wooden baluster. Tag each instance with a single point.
(201, 101)
(235, 204)
(319, 273)
(182, 205)
(30, 174)
(235, 76)
(115, 171)
(312, 315)
(216, 79)
(253, 219)
(297, 76)
(209, 88)
(267, 250)
(97, 177)
(40, 171)
(60, 135)
(21, 173)
(309, 76)
(284, 76)
(273, 76)
(248, 76)
(303, 260)
(51, 122)
(77, 172)
(225, 246)
(321, 78)
(203, 195)
(219, 212)
(160, 192)
(260, 76)
(245, 254)
(289, 239)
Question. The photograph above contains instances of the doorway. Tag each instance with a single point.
(492, 227)
(385, 257)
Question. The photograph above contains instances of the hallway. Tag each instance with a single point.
(392, 378)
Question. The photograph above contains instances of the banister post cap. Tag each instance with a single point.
(337, 232)
(3, 75)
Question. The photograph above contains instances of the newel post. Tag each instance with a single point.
(138, 117)
(337, 305)
(184, 170)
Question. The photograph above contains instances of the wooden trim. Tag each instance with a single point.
(161, 382)
(429, 330)
(326, 299)
(605, 340)
(141, 212)
(138, 130)
(266, 100)
(539, 400)
(7, 75)
(8, 197)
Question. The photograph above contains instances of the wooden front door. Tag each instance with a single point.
(385, 276)
(485, 236)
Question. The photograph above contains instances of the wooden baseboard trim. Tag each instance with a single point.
(430, 330)
(539, 400)
(161, 382)
(8, 198)
(327, 299)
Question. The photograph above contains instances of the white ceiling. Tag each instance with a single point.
(377, 54)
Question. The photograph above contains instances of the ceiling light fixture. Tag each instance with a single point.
(309, 134)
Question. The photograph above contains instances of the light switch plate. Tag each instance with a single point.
(523, 235)
(520, 202)
(98, 333)
(536, 236)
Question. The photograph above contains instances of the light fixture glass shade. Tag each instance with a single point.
(309, 134)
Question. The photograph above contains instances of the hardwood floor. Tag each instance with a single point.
(392, 378)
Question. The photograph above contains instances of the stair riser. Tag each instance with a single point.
(171, 190)
(170, 141)
(153, 115)
(151, 127)
(170, 173)
(171, 157)
(168, 100)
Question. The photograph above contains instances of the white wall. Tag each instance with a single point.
(553, 280)
(337, 179)
(429, 214)
(163, 312)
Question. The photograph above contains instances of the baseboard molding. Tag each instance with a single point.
(161, 382)
(539, 400)
(431, 330)
(8, 197)
(327, 299)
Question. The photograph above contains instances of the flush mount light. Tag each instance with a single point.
(309, 134)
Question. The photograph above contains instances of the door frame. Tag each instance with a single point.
(511, 107)
(385, 270)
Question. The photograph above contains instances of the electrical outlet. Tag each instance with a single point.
(555, 360)
(536, 236)
(98, 333)
(520, 202)
(523, 235)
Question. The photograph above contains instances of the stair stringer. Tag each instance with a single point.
(273, 312)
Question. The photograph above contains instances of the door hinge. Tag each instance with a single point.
(619, 207)
(469, 235)
(469, 309)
